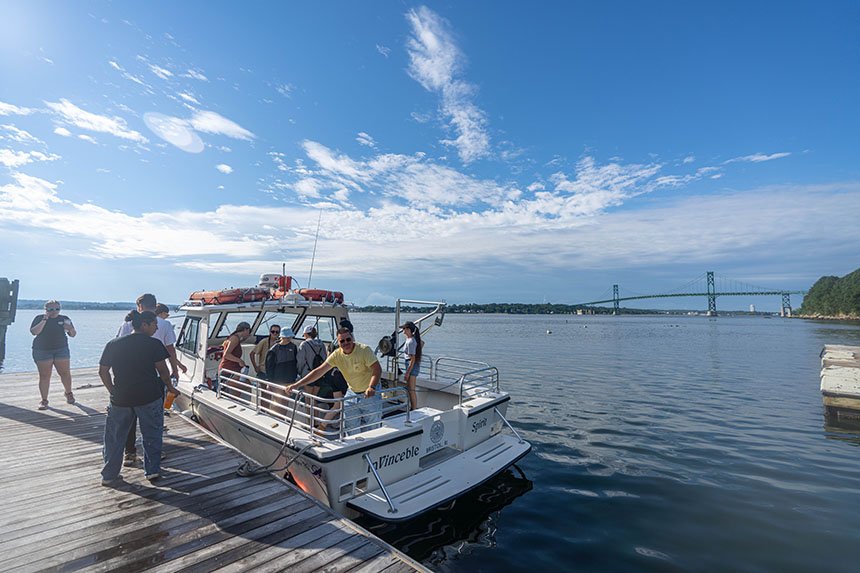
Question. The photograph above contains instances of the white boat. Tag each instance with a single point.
(419, 457)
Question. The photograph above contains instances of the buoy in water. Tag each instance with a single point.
(549, 331)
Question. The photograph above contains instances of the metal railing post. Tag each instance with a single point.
(508, 424)
(391, 507)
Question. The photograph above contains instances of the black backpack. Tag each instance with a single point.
(318, 359)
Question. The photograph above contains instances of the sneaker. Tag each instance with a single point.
(111, 482)
(43, 405)
(152, 477)
(130, 460)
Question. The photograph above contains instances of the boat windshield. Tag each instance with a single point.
(286, 319)
(232, 320)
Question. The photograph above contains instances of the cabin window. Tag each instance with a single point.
(286, 319)
(325, 325)
(189, 335)
(232, 320)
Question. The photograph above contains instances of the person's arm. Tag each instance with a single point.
(311, 376)
(256, 354)
(232, 343)
(104, 374)
(70, 328)
(174, 362)
(375, 375)
(36, 329)
(164, 374)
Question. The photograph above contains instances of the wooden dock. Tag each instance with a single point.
(200, 516)
(840, 381)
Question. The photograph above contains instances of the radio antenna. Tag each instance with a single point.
(314, 255)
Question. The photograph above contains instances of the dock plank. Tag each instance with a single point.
(201, 516)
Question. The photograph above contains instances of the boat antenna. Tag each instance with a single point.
(314, 255)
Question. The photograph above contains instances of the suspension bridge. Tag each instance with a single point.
(705, 285)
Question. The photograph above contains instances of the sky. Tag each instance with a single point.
(482, 151)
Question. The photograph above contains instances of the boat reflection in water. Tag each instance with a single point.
(447, 531)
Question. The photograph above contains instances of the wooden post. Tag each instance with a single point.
(8, 306)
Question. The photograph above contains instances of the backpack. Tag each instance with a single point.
(317, 360)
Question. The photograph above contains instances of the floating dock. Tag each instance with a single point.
(200, 516)
(840, 381)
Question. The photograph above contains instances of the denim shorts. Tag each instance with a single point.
(415, 371)
(40, 355)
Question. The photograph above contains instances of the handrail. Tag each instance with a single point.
(478, 385)
(270, 399)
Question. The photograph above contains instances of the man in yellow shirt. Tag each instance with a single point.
(361, 369)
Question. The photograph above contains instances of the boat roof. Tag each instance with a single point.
(196, 306)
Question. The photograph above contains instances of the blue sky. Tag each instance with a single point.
(472, 151)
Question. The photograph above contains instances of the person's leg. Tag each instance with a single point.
(371, 412)
(63, 366)
(44, 367)
(116, 427)
(131, 438)
(151, 419)
(351, 413)
(413, 397)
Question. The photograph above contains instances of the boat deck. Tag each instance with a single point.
(200, 516)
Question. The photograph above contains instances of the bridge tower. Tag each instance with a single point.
(786, 305)
(615, 299)
(712, 295)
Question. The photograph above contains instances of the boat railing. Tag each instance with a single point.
(326, 418)
(473, 378)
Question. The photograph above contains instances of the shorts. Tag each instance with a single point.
(41, 355)
(415, 371)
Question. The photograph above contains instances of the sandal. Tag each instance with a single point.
(70, 397)
(43, 405)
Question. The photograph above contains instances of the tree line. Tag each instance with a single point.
(833, 296)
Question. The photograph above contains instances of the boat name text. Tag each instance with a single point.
(386, 460)
(479, 424)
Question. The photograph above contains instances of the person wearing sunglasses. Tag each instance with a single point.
(361, 369)
(258, 355)
(51, 350)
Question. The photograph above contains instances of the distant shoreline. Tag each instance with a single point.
(546, 309)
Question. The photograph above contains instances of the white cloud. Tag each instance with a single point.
(224, 168)
(88, 138)
(211, 122)
(365, 139)
(74, 115)
(13, 159)
(9, 109)
(759, 157)
(195, 74)
(174, 130)
(25, 196)
(385, 51)
(285, 90)
(188, 97)
(13, 133)
(689, 159)
(62, 131)
(162, 73)
(435, 62)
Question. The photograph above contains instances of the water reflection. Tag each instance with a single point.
(844, 429)
(471, 520)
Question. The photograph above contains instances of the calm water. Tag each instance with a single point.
(660, 444)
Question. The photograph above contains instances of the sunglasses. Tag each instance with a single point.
(275, 331)
(344, 340)
(52, 309)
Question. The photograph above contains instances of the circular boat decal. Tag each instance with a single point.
(437, 430)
